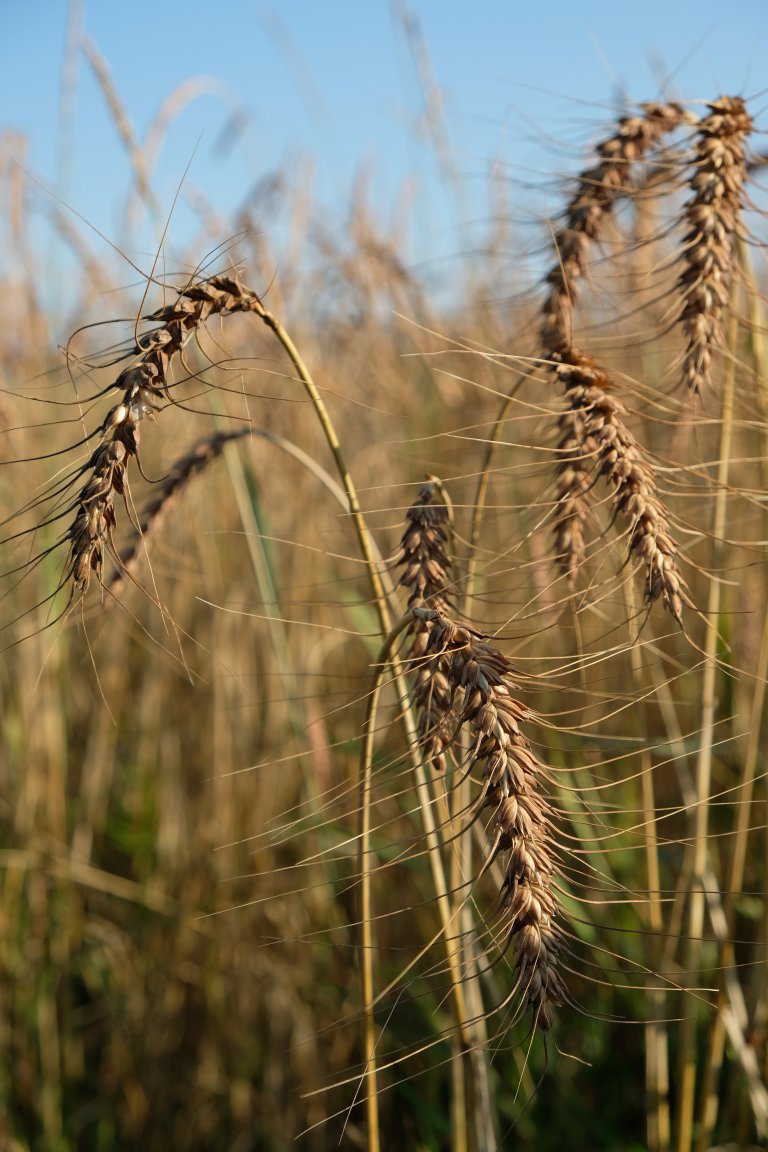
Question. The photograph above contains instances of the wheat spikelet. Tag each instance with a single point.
(574, 481)
(423, 554)
(144, 386)
(596, 440)
(510, 791)
(200, 457)
(712, 217)
(599, 187)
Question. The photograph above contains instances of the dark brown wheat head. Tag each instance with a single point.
(425, 559)
(595, 441)
(598, 189)
(145, 390)
(712, 217)
(511, 795)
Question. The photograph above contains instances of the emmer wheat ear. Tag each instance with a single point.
(425, 559)
(598, 189)
(144, 386)
(200, 456)
(511, 790)
(712, 218)
(575, 465)
(595, 438)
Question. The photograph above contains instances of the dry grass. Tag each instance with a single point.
(292, 852)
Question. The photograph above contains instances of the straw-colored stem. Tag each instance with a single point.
(734, 1013)
(388, 659)
(366, 921)
(717, 1036)
(422, 788)
(333, 443)
(700, 821)
(656, 1037)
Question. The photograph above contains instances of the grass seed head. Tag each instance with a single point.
(511, 792)
(426, 562)
(712, 216)
(598, 189)
(145, 389)
(597, 442)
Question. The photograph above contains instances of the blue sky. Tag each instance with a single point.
(334, 81)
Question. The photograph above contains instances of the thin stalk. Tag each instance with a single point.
(382, 606)
(717, 1038)
(387, 658)
(366, 919)
(735, 1012)
(700, 821)
(716, 1047)
(459, 1127)
(656, 1037)
(333, 443)
(369, 1027)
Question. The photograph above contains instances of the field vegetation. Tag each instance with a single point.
(383, 680)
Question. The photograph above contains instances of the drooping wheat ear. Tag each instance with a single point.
(598, 189)
(595, 441)
(200, 456)
(512, 778)
(575, 466)
(425, 559)
(144, 387)
(712, 216)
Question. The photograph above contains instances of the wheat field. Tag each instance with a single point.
(383, 683)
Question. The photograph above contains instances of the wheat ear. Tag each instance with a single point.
(200, 456)
(145, 389)
(596, 441)
(712, 217)
(423, 555)
(598, 189)
(511, 791)
(575, 465)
